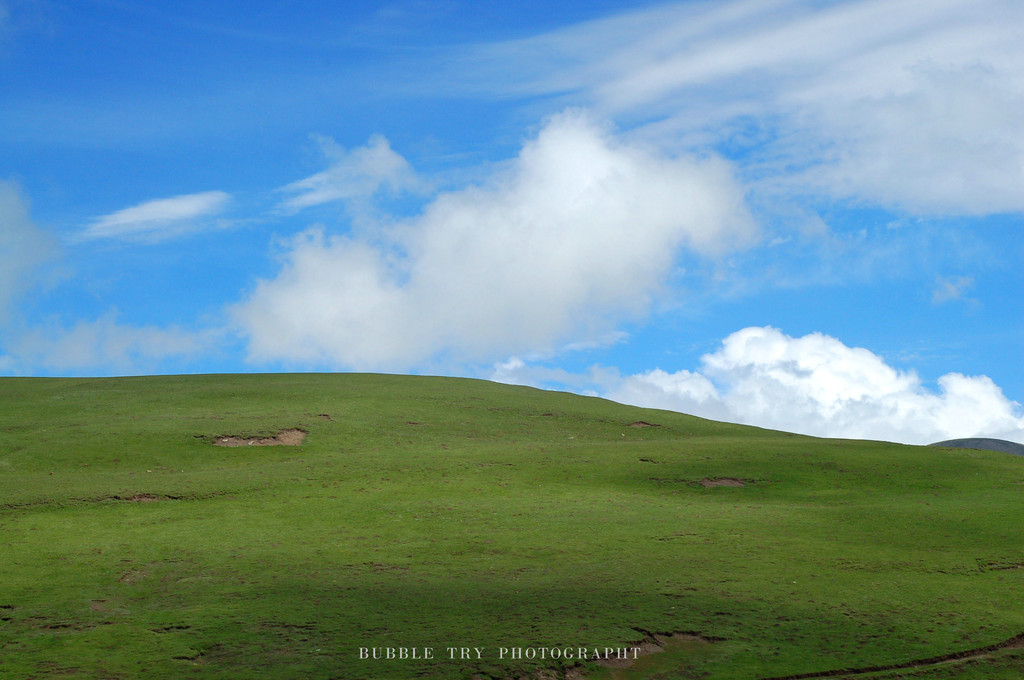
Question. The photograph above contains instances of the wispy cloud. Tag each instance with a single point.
(948, 289)
(23, 246)
(577, 233)
(897, 103)
(103, 346)
(355, 174)
(158, 219)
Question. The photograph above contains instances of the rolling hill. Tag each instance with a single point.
(298, 526)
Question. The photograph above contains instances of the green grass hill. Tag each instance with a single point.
(463, 520)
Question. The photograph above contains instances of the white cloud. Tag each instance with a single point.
(355, 174)
(948, 289)
(23, 246)
(516, 371)
(577, 233)
(900, 103)
(158, 219)
(102, 346)
(817, 385)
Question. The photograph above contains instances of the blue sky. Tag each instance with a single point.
(803, 215)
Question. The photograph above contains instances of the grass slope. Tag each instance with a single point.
(429, 512)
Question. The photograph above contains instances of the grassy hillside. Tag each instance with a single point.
(433, 513)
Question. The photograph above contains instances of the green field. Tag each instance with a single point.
(436, 513)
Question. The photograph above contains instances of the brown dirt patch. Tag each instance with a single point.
(644, 648)
(141, 498)
(643, 423)
(133, 575)
(722, 481)
(654, 643)
(291, 437)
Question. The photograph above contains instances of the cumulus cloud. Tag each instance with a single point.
(353, 174)
(817, 385)
(158, 219)
(897, 103)
(23, 246)
(575, 234)
(102, 346)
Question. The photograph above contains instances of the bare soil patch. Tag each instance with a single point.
(655, 643)
(140, 498)
(291, 437)
(722, 481)
(133, 575)
(652, 643)
(643, 423)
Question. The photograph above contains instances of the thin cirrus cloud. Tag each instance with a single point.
(574, 235)
(897, 103)
(24, 247)
(158, 219)
(817, 385)
(106, 344)
(949, 289)
(355, 174)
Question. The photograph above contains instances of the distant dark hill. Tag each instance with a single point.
(985, 445)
